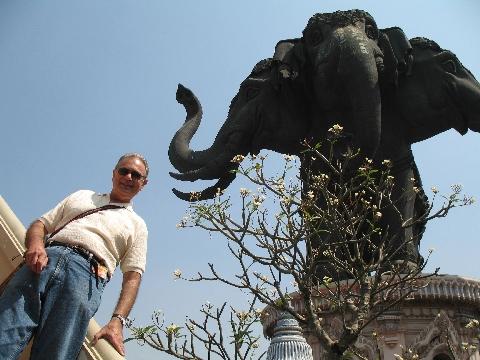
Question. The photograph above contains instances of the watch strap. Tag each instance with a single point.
(121, 318)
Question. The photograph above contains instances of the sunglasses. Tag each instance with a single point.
(135, 174)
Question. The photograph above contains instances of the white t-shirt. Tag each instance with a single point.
(117, 236)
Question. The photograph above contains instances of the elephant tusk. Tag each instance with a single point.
(208, 193)
(204, 173)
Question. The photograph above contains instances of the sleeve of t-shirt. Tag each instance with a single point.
(52, 218)
(136, 256)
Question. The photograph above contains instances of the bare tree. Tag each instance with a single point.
(320, 239)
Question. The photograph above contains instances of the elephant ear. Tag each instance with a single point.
(291, 55)
(397, 52)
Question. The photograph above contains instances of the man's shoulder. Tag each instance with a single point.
(81, 193)
(138, 219)
(87, 197)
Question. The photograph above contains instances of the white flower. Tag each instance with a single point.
(378, 215)
(327, 280)
(280, 185)
(387, 163)
(288, 157)
(336, 129)
(244, 192)
(310, 194)
(333, 201)
(258, 200)
(434, 189)
(172, 329)
(238, 159)
(177, 274)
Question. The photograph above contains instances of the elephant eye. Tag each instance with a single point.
(314, 37)
(371, 32)
(449, 66)
(251, 93)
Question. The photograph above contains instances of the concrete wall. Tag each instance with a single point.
(12, 247)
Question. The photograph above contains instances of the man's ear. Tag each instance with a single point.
(145, 182)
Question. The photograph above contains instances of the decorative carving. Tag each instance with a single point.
(440, 333)
(432, 323)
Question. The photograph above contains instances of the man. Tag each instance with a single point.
(58, 290)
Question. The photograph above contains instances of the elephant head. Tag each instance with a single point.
(342, 62)
(438, 94)
(266, 113)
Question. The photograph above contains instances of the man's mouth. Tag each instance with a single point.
(126, 186)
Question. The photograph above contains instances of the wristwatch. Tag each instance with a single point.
(121, 318)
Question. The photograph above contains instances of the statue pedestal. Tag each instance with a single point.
(431, 323)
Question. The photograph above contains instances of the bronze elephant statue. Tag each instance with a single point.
(387, 92)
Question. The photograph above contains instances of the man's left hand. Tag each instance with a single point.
(113, 333)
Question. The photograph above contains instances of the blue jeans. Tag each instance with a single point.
(55, 306)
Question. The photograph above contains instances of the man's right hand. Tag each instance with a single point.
(36, 258)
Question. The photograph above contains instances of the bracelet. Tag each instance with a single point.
(121, 318)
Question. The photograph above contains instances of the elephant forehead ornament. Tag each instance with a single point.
(389, 92)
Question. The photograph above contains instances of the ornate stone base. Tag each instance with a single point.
(431, 323)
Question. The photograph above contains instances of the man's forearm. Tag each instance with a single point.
(36, 257)
(35, 234)
(112, 332)
(130, 286)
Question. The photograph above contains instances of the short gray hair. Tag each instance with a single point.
(135, 155)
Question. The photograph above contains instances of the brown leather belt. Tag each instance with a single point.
(94, 260)
(79, 250)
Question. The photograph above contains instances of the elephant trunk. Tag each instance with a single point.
(233, 139)
(181, 156)
(357, 67)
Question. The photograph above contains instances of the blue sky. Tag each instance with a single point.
(84, 81)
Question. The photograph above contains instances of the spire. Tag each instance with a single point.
(288, 342)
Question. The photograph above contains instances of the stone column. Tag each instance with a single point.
(288, 342)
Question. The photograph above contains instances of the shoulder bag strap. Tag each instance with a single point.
(86, 213)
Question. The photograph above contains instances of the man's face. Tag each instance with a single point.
(128, 179)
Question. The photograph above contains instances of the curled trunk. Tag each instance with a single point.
(181, 156)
